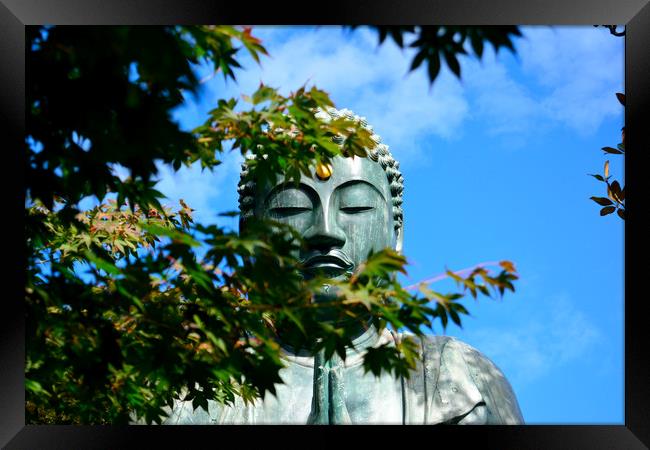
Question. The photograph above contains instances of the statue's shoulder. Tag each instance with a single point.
(452, 350)
(448, 351)
(455, 373)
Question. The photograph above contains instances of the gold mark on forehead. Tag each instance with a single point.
(323, 171)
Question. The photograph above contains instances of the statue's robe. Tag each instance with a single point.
(453, 384)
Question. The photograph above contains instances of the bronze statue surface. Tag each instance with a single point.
(345, 210)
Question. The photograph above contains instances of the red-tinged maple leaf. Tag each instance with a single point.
(507, 266)
(249, 37)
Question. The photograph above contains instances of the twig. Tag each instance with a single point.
(442, 276)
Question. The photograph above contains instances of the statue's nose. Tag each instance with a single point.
(325, 233)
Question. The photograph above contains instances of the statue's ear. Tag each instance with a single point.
(399, 238)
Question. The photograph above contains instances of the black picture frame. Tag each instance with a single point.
(635, 14)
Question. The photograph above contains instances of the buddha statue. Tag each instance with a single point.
(348, 208)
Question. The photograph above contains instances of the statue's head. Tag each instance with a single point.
(343, 212)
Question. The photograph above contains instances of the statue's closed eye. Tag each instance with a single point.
(356, 209)
(287, 211)
(288, 202)
(356, 197)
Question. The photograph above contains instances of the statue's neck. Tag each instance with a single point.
(360, 333)
(295, 342)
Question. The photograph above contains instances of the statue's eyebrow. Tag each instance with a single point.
(308, 190)
(355, 182)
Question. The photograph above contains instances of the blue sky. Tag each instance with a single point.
(495, 167)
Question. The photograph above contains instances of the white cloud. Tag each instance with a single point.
(582, 67)
(556, 336)
(506, 106)
(567, 77)
(322, 56)
(557, 55)
(570, 75)
(371, 81)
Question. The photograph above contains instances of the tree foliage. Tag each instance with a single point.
(123, 315)
(437, 44)
(615, 200)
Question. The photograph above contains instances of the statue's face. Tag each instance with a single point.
(341, 218)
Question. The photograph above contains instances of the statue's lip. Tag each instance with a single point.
(324, 261)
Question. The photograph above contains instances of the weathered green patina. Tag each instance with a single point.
(343, 212)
